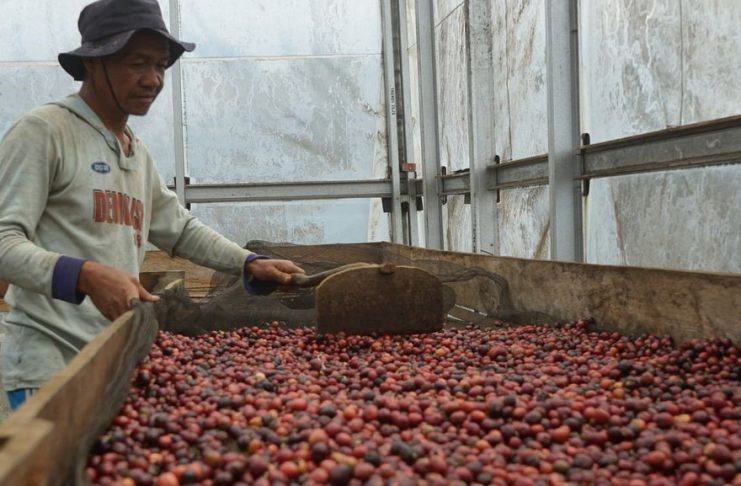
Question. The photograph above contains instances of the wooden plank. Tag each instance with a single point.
(80, 401)
(3, 289)
(197, 278)
(631, 300)
(20, 448)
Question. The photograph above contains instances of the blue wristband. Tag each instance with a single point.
(255, 286)
(64, 280)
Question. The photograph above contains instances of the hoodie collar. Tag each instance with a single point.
(77, 105)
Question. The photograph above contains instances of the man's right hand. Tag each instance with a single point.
(110, 289)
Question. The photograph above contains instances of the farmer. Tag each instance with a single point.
(80, 198)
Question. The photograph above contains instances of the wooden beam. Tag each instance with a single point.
(67, 414)
(631, 300)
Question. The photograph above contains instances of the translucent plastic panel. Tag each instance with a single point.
(453, 91)
(41, 29)
(300, 222)
(23, 88)
(520, 100)
(284, 119)
(687, 219)
(457, 225)
(237, 28)
(651, 65)
(631, 66)
(524, 230)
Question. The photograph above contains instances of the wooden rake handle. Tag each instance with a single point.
(303, 280)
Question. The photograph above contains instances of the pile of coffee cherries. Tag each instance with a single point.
(529, 405)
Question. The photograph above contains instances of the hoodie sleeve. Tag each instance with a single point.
(176, 231)
(28, 157)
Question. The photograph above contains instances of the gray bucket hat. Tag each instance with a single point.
(107, 25)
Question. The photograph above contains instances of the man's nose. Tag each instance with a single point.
(153, 78)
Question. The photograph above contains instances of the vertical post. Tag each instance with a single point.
(406, 92)
(428, 110)
(563, 130)
(481, 122)
(392, 140)
(178, 108)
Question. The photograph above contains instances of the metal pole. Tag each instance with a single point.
(178, 108)
(563, 130)
(392, 141)
(481, 121)
(406, 88)
(428, 110)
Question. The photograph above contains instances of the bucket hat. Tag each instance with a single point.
(107, 25)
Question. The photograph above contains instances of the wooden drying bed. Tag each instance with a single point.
(47, 441)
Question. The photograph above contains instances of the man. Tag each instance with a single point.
(80, 197)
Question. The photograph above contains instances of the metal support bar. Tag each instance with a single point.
(177, 108)
(485, 225)
(697, 145)
(716, 142)
(456, 184)
(563, 130)
(406, 92)
(392, 145)
(428, 109)
(530, 171)
(288, 191)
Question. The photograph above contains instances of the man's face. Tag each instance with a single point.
(137, 72)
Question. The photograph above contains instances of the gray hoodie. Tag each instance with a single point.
(67, 194)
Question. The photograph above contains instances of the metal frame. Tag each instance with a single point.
(703, 144)
(406, 89)
(392, 143)
(698, 145)
(177, 108)
(484, 218)
(563, 130)
(287, 191)
(428, 120)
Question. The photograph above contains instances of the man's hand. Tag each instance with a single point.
(110, 289)
(273, 270)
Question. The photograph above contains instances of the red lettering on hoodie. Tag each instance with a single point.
(117, 208)
(99, 206)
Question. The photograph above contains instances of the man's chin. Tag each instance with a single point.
(140, 106)
(138, 111)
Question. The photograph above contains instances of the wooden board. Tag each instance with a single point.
(386, 299)
(47, 440)
(3, 289)
(631, 300)
(197, 279)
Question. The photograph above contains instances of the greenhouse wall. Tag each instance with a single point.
(644, 66)
(293, 91)
(274, 92)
